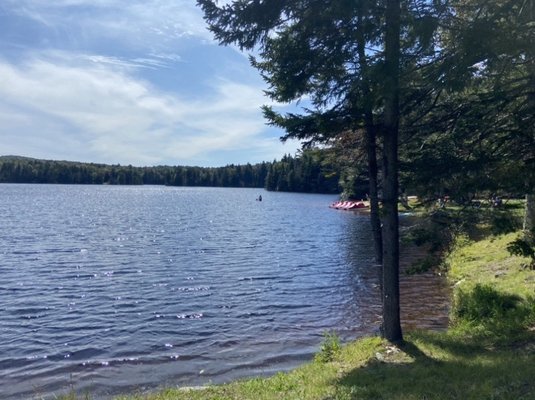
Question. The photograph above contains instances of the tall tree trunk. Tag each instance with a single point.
(370, 139)
(529, 218)
(391, 308)
(375, 219)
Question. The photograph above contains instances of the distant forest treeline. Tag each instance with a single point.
(304, 173)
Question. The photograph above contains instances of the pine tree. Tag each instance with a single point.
(311, 48)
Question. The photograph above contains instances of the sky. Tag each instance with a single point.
(138, 82)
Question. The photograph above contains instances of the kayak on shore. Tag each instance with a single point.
(350, 205)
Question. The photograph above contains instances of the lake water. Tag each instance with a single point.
(108, 288)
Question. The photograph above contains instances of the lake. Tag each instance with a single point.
(117, 288)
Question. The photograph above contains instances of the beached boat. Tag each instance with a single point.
(350, 205)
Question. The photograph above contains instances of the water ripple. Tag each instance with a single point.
(101, 284)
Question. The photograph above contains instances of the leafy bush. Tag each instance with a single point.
(436, 236)
(420, 236)
(523, 247)
(493, 317)
(483, 303)
(504, 222)
(424, 265)
(330, 348)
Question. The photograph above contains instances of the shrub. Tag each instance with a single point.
(504, 222)
(330, 348)
(523, 247)
(491, 316)
(483, 303)
(424, 265)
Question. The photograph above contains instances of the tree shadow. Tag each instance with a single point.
(467, 375)
(454, 347)
(414, 351)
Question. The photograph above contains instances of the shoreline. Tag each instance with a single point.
(483, 357)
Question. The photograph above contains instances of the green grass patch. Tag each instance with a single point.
(315, 380)
(428, 366)
(488, 262)
(330, 348)
(440, 366)
(494, 297)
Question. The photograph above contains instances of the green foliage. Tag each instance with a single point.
(436, 231)
(29, 170)
(492, 316)
(504, 221)
(422, 235)
(309, 172)
(524, 247)
(330, 348)
(424, 265)
(73, 396)
(478, 136)
(521, 247)
(484, 303)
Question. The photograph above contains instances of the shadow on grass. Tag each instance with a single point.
(450, 345)
(465, 373)
(414, 351)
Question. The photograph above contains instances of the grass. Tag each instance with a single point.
(487, 262)
(315, 380)
(429, 366)
(487, 353)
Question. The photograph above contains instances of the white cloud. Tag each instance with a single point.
(85, 92)
(99, 112)
(153, 24)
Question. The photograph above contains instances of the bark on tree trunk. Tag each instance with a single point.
(370, 139)
(391, 308)
(529, 217)
(375, 219)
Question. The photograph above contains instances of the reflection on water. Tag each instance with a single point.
(424, 297)
(364, 274)
(119, 288)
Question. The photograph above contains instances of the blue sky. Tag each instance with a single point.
(136, 82)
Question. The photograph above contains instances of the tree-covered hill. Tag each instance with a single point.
(304, 173)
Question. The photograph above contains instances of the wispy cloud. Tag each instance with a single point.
(136, 22)
(99, 112)
(151, 61)
(130, 81)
